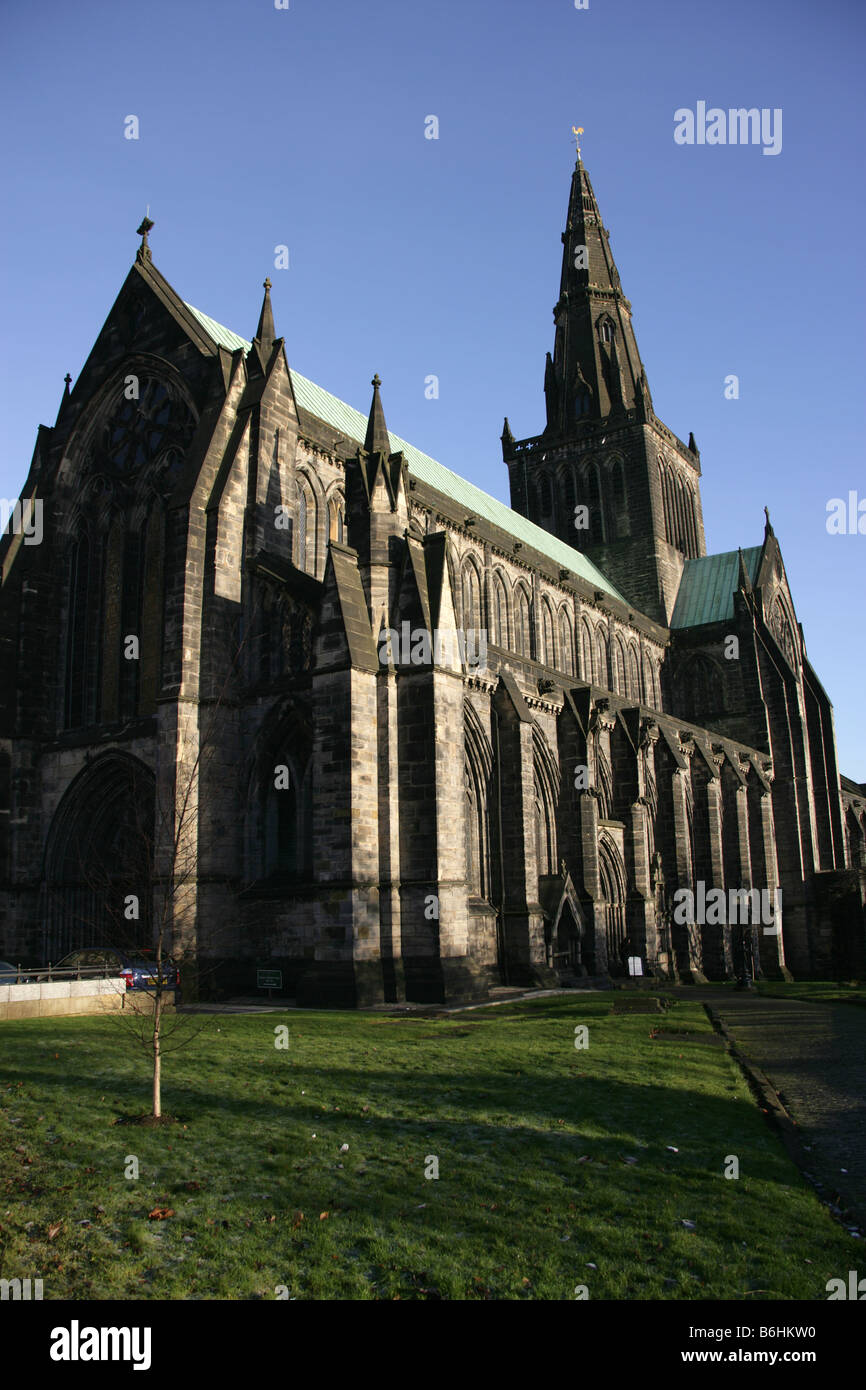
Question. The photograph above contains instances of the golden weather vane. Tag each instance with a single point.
(577, 131)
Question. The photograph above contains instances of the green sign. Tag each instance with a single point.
(269, 979)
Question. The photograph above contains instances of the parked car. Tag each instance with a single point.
(9, 974)
(138, 970)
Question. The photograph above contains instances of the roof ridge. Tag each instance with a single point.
(318, 401)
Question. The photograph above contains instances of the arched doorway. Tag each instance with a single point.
(567, 954)
(99, 859)
(612, 875)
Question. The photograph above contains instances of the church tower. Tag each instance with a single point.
(606, 475)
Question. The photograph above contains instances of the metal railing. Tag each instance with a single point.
(46, 974)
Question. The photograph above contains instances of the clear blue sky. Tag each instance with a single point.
(408, 256)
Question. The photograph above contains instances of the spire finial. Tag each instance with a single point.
(266, 284)
(376, 382)
(68, 381)
(577, 131)
(142, 231)
(769, 524)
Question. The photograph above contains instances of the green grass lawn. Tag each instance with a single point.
(816, 991)
(554, 1166)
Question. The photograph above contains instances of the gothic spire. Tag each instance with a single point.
(377, 440)
(596, 370)
(265, 333)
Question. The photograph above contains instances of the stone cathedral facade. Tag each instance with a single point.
(217, 703)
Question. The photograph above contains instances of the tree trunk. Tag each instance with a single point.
(157, 1059)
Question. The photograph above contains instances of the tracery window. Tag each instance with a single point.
(131, 459)
(783, 630)
(141, 427)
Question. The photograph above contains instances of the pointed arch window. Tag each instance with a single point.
(77, 661)
(335, 519)
(549, 653)
(616, 518)
(602, 677)
(472, 622)
(302, 530)
(569, 493)
(633, 675)
(477, 846)
(702, 688)
(566, 644)
(522, 623)
(152, 552)
(307, 529)
(585, 652)
(650, 695)
(596, 531)
(617, 663)
(545, 828)
(288, 824)
(500, 613)
(545, 495)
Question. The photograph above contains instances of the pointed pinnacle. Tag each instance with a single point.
(265, 333)
(377, 440)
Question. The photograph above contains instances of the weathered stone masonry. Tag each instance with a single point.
(382, 825)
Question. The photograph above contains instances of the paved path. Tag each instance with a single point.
(814, 1055)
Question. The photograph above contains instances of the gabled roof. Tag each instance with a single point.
(352, 425)
(708, 585)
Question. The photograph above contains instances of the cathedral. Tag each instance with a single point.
(291, 694)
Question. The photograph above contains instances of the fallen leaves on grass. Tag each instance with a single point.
(160, 1213)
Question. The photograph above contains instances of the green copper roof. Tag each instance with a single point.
(471, 499)
(223, 336)
(708, 585)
